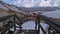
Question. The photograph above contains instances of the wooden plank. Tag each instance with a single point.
(28, 31)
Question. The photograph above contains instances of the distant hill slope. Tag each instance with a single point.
(18, 9)
(14, 9)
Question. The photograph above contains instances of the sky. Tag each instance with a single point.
(33, 3)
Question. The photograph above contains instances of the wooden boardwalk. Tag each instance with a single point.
(51, 23)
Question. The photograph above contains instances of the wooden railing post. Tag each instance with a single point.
(20, 23)
(21, 20)
(38, 28)
(14, 23)
(36, 24)
(38, 21)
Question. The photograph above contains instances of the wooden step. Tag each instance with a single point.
(27, 32)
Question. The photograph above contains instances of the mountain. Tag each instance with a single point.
(41, 8)
(20, 9)
(6, 6)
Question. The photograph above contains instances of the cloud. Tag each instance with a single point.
(31, 3)
(45, 3)
(48, 3)
(25, 3)
(28, 3)
(9, 1)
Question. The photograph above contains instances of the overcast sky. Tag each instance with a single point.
(32, 3)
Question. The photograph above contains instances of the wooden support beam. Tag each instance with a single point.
(38, 22)
(38, 28)
(21, 21)
(35, 26)
(14, 23)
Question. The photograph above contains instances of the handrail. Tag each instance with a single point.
(50, 22)
(6, 17)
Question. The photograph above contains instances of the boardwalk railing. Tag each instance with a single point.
(10, 25)
(53, 24)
